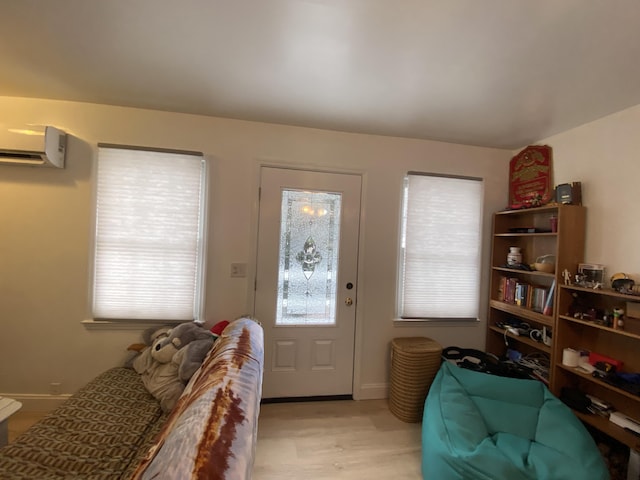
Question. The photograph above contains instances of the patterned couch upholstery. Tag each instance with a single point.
(114, 429)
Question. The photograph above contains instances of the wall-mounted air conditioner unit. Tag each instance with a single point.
(33, 146)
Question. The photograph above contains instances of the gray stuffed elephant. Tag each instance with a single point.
(173, 357)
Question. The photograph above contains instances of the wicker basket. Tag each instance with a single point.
(414, 364)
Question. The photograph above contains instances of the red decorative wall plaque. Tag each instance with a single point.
(530, 182)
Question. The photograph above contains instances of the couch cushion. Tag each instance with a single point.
(99, 433)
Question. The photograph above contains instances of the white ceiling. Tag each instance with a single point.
(502, 73)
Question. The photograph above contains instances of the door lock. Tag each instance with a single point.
(348, 302)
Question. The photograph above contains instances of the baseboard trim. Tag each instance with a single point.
(373, 391)
(319, 398)
(34, 402)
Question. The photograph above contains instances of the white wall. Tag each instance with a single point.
(605, 156)
(46, 220)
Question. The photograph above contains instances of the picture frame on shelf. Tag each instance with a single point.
(590, 275)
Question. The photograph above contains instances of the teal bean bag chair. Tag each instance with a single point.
(485, 427)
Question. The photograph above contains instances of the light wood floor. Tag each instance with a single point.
(337, 440)
(21, 421)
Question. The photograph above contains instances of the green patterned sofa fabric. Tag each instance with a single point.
(114, 429)
(99, 433)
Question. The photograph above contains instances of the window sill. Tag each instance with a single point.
(92, 324)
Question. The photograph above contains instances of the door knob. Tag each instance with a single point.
(348, 302)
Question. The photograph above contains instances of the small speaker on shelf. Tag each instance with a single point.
(569, 193)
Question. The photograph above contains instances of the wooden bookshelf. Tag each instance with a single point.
(592, 335)
(530, 230)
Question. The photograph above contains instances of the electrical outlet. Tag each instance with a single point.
(55, 388)
(238, 270)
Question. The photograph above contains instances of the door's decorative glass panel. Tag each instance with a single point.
(309, 243)
(309, 257)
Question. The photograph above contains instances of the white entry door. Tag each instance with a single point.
(306, 280)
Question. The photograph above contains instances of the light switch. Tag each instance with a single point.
(238, 270)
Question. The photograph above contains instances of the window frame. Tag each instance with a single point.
(402, 253)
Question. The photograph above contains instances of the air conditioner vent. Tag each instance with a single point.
(33, 146)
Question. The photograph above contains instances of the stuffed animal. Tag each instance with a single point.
(194, 339)
(172, 358)
(217, 329)
(149, 336)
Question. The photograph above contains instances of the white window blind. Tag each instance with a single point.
(149, 235)
(440, 247)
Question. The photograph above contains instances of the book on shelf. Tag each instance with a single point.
(548, 305)
(539, 299)
(523, 294)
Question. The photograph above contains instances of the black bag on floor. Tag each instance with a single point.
(485, 362)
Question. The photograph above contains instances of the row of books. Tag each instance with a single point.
(535, 297)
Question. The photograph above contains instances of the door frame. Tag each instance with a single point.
(251, 266)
